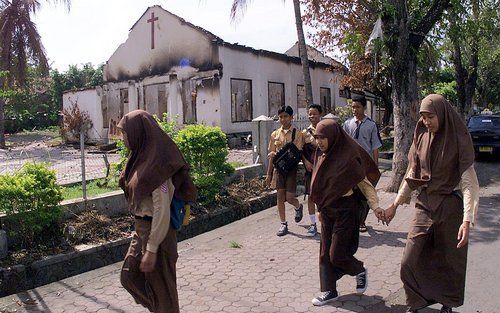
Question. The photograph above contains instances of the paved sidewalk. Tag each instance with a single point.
(267, 274)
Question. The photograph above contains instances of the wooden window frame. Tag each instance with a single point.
(231, 100)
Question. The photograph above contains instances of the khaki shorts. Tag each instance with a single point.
(288, 182)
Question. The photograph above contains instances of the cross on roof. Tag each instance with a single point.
(152, 21)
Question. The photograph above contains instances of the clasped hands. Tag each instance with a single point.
(385, 216)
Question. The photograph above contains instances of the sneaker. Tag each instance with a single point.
(283, 229)
(445, 309)
(363, 228)
(362, 281)
(412, 311)
(299, 212)
(325, 297)
(312, 230)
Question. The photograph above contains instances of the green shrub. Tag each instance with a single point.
(30, 199)
(205, 149)
(344, 113)
(123, 152)
(168, 125)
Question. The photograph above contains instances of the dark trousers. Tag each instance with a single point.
(363, 212)
(339, 242)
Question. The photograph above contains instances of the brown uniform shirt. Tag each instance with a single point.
(281, 136)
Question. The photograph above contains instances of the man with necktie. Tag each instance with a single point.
(365, 131)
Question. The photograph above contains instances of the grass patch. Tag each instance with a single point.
(234, 245)
(52, 131)
(237, 164)
(94, 188)
(387, 144)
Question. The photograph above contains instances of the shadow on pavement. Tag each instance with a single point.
(109, 307)
(488, 172)
(488, 221)
(32, 301)
(379, 237)
(380, 307)
(315, 238)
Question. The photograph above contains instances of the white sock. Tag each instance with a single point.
(313, 218)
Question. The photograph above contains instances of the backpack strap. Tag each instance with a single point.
(293, 134)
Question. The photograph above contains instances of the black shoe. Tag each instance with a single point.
(325, 297)
(413, 311)
(299, 213)
(362, 281)
(363, 228)
(283, 229)
(445, 309)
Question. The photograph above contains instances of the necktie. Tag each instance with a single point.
(356, 134)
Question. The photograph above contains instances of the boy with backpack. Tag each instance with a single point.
(285, 184)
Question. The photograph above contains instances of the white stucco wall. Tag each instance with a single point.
(208, 103)
(261, 70)
(174, 41)
(88, 100)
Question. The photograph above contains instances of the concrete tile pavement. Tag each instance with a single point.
(267, 274)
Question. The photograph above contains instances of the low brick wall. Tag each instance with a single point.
(114, 203)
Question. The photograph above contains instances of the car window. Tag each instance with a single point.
(484, 122)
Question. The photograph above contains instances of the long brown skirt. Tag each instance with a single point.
(157, 291)
(339, 242)
(433, 269)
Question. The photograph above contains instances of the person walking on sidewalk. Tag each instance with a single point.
(155, 173)
(285, 185)
(365, 131)
(342, 166)
(308, 154)
(441, 168)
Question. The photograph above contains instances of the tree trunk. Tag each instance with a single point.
(404, 38)
(404, 92)
(460, 75)
(388, 109)
(405, 100)
(2, 123)
(303, 52)
(466, 77)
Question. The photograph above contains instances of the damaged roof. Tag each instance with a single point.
(261, 52)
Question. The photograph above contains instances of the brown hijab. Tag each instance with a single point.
(438, 160)
(341, 168)
(154, 157)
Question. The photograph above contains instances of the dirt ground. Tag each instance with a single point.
(46, 146)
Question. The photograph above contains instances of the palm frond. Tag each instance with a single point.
(20, 42)
(238, 8)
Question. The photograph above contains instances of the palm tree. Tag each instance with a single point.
(239, 7)
(20, 46)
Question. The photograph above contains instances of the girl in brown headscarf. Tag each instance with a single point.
(441, 169)
(155, 173)
(342, 167)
